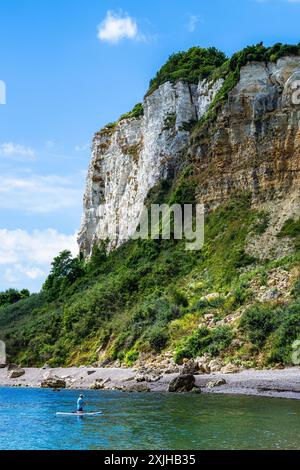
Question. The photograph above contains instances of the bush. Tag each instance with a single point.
(131, 357)
(291, 229)
(258, 322)
(158, 339)
(278, 327)
(179, 298)
(204, 340)
(287, 332)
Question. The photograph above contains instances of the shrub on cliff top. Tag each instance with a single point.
(137, 112)
(190, 66)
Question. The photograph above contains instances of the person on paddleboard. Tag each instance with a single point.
(80, 404)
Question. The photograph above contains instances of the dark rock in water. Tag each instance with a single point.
(54, 383)
(182, 383)
(3, 366)
(91, 372)
(16, 373)
(12, 367)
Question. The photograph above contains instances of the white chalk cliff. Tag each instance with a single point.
(130, 158)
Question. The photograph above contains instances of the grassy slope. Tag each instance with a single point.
(148, 296)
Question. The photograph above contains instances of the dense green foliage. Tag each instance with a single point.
(204, 340)
(126, 303)
(12, 296)
(190, 66)
(150, 295)
(65, 270)
(275, 326)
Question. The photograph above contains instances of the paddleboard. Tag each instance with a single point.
(97, 413)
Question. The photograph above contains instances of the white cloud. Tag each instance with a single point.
(25, 258)
(193, 22)
(9, 149)
(39, 194)
(118, 26)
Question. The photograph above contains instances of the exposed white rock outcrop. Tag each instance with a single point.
(130, 158)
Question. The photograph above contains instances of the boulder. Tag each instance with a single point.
(203, 364)
(16, 373)
(97, 385)
(91, 372)
(215, 365)
(148, 375)
(230, 369)
(148, 378)
(12, 367)
(236, 343)
(172, 370)
(209, 316)
(182, 383)
(100, 384)
(2, 365)
(204, 368)
(216, 383)
(53, 382)
(211, 297)
(105, 363)
(190, 368)
(270, 294)
(139, 387)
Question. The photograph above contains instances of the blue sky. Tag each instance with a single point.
(71, 66)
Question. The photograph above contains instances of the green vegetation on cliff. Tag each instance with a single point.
(189, 66)
(150, 296)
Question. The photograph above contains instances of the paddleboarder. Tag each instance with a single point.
(80, 404)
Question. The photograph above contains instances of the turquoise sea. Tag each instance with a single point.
(146, 421)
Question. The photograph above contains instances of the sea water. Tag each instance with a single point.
(148, 421)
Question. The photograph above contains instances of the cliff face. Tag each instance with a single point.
(129, 159)
(255, 142)
(253, 146)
